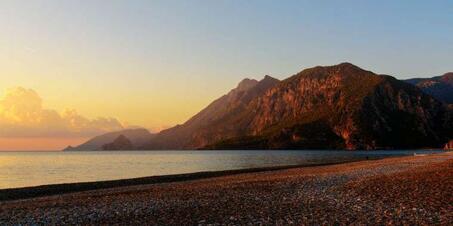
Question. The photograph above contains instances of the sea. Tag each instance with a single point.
(24, 169)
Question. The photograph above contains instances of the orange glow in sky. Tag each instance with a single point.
(154, 64)
(38, 144)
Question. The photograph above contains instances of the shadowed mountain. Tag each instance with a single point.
(440, 87)
(138, 137)
(341, 106)
(120, 143)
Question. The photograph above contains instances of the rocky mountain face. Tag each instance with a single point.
(188, 135)
(138, 138)
(120, 143)
(449, 145)
(440, 87)
(341, 106)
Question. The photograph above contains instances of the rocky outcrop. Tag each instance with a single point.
(120, 143)
(449, 145)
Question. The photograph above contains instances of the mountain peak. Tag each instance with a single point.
(347, 67)
(345, 64)
(268, 78)
(120, 143)
(448, 78)
(343, 70)
(246, 84)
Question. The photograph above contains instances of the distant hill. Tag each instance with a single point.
(440, 87)
(138, 137)
(120, 143)
(332, 107)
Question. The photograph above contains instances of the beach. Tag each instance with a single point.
(401, 190)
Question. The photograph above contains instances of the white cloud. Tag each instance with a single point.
(22, 115)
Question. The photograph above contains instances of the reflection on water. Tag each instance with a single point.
(21, 169)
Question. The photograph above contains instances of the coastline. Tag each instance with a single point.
(9, 194)
(409, 190)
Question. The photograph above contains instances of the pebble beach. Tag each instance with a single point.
(413, 190)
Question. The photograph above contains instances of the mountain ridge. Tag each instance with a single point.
(138, 137)
(440, 87)
(330, 104)
(325, 107)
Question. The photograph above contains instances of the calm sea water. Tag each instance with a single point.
(22, 169)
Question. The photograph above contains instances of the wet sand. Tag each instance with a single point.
(404, 190)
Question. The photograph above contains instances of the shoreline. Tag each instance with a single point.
(408, 190)
(176, 150)
(12, 194)
(18, 193)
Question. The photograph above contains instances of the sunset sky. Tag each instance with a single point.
(70, 70)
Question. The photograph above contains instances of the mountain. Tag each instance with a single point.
(440, 87)
(332, 107)
(120, 143)
(185, 135)
(138, 138)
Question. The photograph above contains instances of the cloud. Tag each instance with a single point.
(22, 115)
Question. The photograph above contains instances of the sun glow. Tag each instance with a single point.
(25, 124)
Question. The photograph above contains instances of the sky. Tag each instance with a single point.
(73, 69)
